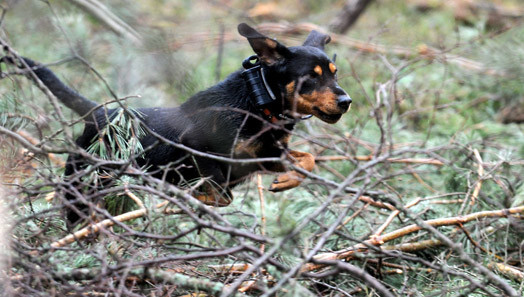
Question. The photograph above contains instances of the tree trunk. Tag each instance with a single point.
(349, 15)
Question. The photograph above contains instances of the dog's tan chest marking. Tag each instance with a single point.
(247, 148)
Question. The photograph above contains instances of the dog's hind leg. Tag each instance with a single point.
(215, 196)
(75, 211)
(292, 178)
(214, 191)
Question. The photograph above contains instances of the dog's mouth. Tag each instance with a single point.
(328, 118)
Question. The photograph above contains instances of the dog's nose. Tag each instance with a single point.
(344, 101)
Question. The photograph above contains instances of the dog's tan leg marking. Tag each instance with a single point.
(292, 178)
(213, 198)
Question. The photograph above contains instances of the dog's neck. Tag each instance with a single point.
(276, 112)
(267, 100)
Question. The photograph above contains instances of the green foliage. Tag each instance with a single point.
(120, 138)
(10, 109)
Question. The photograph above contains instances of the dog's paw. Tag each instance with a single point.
(286, 181)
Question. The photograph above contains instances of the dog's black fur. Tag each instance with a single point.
(223, 120)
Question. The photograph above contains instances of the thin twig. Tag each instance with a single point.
(392, 216)
(480, 172)
(262, 209)
(369, 158)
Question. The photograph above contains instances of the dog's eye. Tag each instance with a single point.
(312, 79)
(309, 82)
(312, 74)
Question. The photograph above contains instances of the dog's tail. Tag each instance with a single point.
(65, 94)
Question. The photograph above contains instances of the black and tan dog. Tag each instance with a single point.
(228, 119)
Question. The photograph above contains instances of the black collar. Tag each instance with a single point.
(260, 94)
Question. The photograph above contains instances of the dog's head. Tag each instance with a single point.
(304, 76)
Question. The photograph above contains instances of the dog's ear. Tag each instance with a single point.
(317, 39)
(268, 50)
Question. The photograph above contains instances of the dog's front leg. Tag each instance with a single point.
(292, 178)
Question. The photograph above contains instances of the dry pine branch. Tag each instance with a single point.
(346, 254)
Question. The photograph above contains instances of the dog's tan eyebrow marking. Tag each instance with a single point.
(318, 70)
(332, 68)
